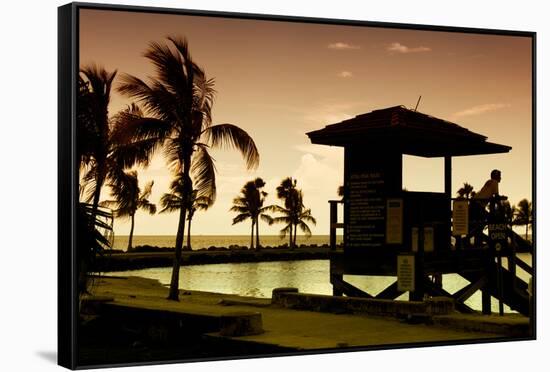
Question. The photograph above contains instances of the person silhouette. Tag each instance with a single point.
(489, 189)
(478, 212)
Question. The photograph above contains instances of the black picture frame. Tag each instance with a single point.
(68, 173)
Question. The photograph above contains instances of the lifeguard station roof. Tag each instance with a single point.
(410, 132)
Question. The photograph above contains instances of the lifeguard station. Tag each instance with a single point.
(409, 235)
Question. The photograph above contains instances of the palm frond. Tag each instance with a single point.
(129, 126)
(203, 170)
(285, 230)
(155, 98)
(241, 217)
(231, 136)
(137, 152)
(203, 202)
(282, 219)
(306, 216)
(266, 218)
(170, 203)
(147, 190)
(148, 206)
(305, 228)
(108, 204)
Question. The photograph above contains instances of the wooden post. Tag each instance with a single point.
(486, 300)
(333, 223)
(418, 293)
(489, 268)
(448, 194)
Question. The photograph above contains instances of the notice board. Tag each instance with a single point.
(370, 179)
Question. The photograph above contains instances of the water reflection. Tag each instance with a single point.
(259, 279)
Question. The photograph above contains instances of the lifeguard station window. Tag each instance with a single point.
(423, 174)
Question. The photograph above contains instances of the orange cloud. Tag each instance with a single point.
(403, 49)
(343, 46)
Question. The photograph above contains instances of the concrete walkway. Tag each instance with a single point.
(297, 329)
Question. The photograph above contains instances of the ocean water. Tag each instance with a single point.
(205, 241)
(260, 278)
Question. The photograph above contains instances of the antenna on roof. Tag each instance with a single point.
(417, 102)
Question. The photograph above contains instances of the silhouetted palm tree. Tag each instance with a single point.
(466, 191)
(129, 198)
(509, 211)
(250, 204)
(171, 202)
(524, 215)
(103, 145)
(341, 191)
(294, 215)
(95, 92)
(178, 101)
(288, 192)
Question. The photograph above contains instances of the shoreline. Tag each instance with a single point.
(148, 257)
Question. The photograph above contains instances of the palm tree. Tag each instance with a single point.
(466, 191)
(508, 212)
(341, 191)
(250, 205)
(294, 215)
(129, 198)
(178, 101)
(171, 202)
(102, 144)
(289, 194)
(524, 215)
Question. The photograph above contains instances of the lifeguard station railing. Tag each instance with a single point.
(502, 253)
(501, 279)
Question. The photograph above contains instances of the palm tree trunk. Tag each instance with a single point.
(130, 248)
(290, 241)
(83, 273)
(97, 192)
(294, 239)
(257, 235)
(189, 235)
(252, 236)
(526, 230)
(174, 281)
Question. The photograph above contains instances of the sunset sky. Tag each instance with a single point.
(279, 80)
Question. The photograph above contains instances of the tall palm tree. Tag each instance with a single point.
(103, 145)
(129, 198)
(524, 215)
(288, 192)
(250, 205)
(171, 202)
(102, 150)
(178, 101)
(466, 191)
(295, 217)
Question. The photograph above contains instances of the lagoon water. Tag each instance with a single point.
(258, 279)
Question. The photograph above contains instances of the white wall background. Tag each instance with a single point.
(28, 58)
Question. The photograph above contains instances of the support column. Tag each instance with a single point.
(448, 194)
(333, 223)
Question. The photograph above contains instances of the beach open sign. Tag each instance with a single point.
(498, 235)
